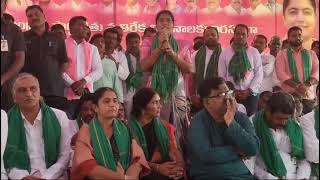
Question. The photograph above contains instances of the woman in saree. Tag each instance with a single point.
(105, 148)
(162, 56)
(155, 136)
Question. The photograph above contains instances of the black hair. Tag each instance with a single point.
(209, 84)
(281, 102)
(57, 26)
(95, 36)
(132, 35)
(198, 37)
(84, 98)
(8, 17)
(149, 29)
(110, 30)
(211, 27)
(264, 93)
(230, 85)
(242, 25)
(314, 43)
(34, 7)
(286, 3)
(165, 12)
(293, 28)
(99, 93)
(74, 19)
(141, 99)
(261, 36)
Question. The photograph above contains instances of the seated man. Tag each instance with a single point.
(281, 152)
(310, 129)
(38, 138)
(219, 135)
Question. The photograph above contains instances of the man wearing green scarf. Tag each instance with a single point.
(205, 61)
(282, 154)
(310, 128)
(135, 78)
(220, 137)
(296, 67)
(241, 64)
(38, 138)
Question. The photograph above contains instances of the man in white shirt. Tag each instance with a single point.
(241, 64)
(235, 8)
(205, 61)
(4, 135)
(132, 8)
(84, 61)
(282, 154)
(258, 9)
(38, 145)
(260, 43)
(111, 37)
(274, 7)
(213, 6)
(310, 128)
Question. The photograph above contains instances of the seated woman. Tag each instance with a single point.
(104, 147)
(155, 136)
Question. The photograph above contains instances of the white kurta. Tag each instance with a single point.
(4, 136)
(36, 149)
(311, 142)
(295, 169)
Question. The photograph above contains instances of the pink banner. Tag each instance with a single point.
(191, 16)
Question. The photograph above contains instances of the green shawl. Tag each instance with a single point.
(268, 149)
(161, 134)
(165, 75)
(212, 68)
(315, 166)
(102, 148)
(239, 64)
(293, 65)
(16, 152)
(134, 79)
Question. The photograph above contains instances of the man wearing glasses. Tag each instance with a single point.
(219, 136)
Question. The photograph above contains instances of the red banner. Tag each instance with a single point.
(191, 16)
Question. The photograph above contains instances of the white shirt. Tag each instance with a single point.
(4, 136)
(268, 62)
(274, 7)
(209, 10)
(129, 93)
(254, 78)
(96, 67)
(311, 142)
(36, 149)
(209, 53)
(151, 9)
(132, 10)
(260, 10)
(121, 59)
(241, 108)
(230, 11)
(102, 8)
(295, 169)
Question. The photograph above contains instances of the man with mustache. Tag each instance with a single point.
(219, 136)
(205, 61)
(282, 152)
(135, 78)
(46, 56)
(297, 68)
(38, 135)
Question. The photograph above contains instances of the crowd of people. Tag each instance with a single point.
(83, 107)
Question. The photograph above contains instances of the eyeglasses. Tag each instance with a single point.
(226, 94)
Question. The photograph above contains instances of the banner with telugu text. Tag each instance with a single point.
(191, 16)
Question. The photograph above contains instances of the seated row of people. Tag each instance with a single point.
(223, 143)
